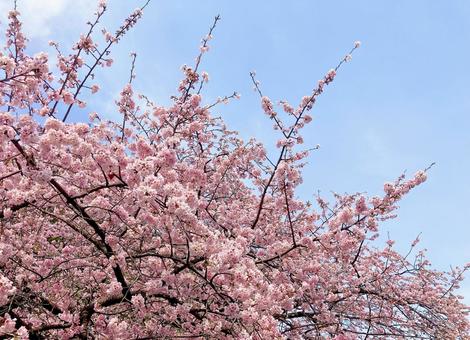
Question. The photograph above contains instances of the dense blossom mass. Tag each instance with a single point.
(164, 224)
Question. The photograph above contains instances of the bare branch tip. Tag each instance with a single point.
(430, 166)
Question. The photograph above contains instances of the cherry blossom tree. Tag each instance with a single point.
(163, 223)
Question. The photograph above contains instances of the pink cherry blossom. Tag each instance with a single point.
(164, 223)
(95, 88)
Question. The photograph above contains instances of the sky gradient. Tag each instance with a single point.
(402, 103)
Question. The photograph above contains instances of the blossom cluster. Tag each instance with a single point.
(163, 223)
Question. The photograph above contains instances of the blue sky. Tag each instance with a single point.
(401, 104)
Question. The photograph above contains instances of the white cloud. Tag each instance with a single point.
(42, 17)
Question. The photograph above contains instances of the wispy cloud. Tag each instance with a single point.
(41, 17)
